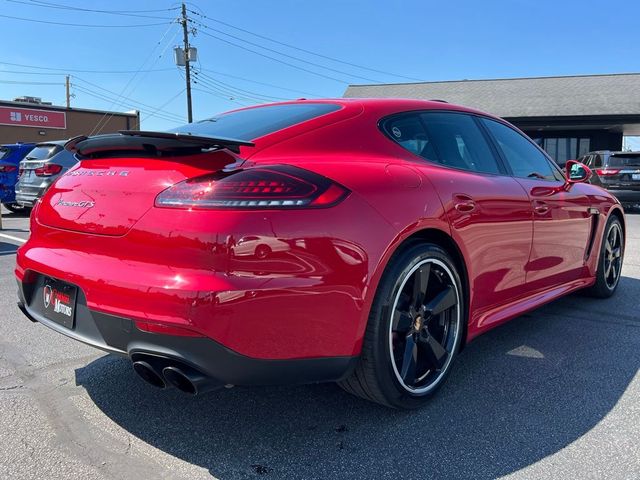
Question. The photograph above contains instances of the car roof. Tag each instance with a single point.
(18, 144)
(383, 106)
(610, 152)
(60, 143)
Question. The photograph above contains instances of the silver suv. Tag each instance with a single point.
(40, 168)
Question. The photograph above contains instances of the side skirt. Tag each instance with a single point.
(507, 311)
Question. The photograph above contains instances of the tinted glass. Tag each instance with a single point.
(409, 132)
(459, 143)
(584, 146)
(43, 152)
(597, 160)
(4, 152)
(624, 160)
(257, 122)
(451, 139)
(522, 156)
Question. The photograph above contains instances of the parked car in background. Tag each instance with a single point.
(618, 172)
(42, 165)
(10, 156)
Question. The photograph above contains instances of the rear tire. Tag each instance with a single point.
(609, 261)
(414, 330)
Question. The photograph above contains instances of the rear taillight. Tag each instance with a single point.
(607, 171)
(47, 170)
(279, 186)
(7, 168)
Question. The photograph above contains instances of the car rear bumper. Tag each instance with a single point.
(121, 336)
(27, 199)
(626, 196)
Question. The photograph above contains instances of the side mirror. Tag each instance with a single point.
(576, 172)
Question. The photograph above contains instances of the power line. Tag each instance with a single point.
(81, 24)
(98, 127)
(73, 70)
(276, 59)
(232, 100)
(224, 84)
(58, 6)
(18, 82)
(164, 104)
(259, 83)
(300, 49)
(222, 97)
(277, 52)
(211, 92)
(71, 7)
(31, 73)
(111, 92)
(107, 99)
(225, 93)
(122, 103)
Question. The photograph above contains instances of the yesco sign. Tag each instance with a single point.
(30, 117)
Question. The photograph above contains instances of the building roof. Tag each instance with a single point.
(59, 108)
(615, 94)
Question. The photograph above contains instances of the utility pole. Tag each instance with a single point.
(67, 85)
(187, 68)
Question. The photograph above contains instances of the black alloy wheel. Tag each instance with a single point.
(424, 325)
(415, 328)
(609, 261)
(613, 255)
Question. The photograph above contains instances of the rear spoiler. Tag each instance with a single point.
(150, 142)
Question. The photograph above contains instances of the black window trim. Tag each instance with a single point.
(504, 171)
(554, 166)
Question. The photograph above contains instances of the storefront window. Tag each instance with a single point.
(566, 148)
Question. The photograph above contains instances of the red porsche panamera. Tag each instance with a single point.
(353, 240)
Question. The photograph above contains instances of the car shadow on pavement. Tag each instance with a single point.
(518, 394)
(7, 248)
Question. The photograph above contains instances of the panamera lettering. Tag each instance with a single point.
(99, 173)
(80, 204)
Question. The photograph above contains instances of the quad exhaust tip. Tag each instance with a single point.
(148, 374)
(189, 380)
(164, 373)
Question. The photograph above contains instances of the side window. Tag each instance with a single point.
(597, 162)
(409, 132)
(522, 156)
(459, 143)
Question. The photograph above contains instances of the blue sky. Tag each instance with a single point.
(425, 40)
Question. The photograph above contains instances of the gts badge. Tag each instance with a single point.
(81, 204)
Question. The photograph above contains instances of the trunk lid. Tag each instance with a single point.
(118, 179)
(107, 197)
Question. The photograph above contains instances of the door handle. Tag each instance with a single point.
(540, 208)
(464, 203)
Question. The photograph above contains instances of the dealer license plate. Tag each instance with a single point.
(59, 301)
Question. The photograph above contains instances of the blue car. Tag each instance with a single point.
(10, 157)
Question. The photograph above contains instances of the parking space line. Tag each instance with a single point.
(10, 237)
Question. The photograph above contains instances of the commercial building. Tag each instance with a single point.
(567, 116)
(31, 120)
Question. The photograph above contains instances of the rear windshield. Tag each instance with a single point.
(256, 122)
(624, 160)
(4, 152)
(43, 152)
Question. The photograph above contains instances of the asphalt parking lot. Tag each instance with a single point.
(552, 394)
